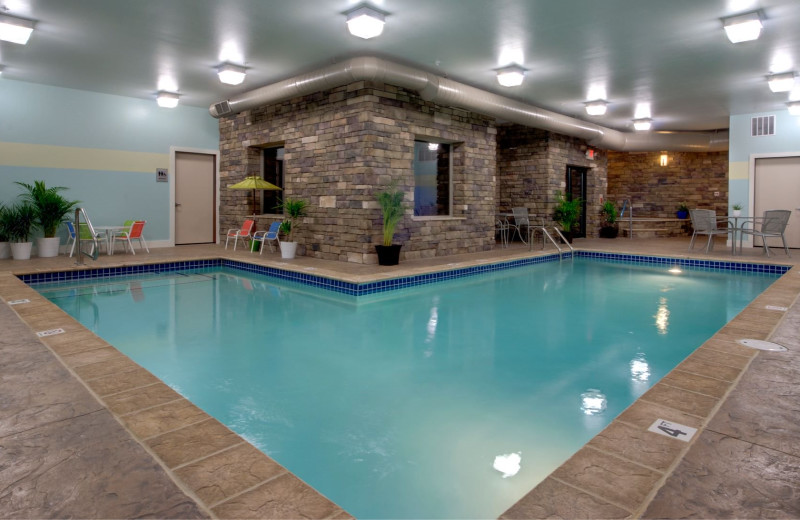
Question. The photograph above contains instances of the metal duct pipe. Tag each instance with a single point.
(447, 92)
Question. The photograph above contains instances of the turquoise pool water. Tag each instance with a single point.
(395, 405)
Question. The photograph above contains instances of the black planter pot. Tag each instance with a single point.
(609, 232)
(388, 255)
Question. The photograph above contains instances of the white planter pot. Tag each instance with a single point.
(737, 213)
(21, 250)
(5, 250)
(288, 249)
(48, 247)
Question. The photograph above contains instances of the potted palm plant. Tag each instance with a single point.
(609, 228)
(390, 200)
(20, 219)
(567, 213)
(294, 209)
(5, 248)
(51, 208)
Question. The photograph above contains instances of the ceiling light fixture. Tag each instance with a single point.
(365, 22)
(511, 76)
(15, 30)
(744, 27)
(231, 74)
(642, 124)
(794, 108)
(597, 107)
(167, 99)
(781, 82)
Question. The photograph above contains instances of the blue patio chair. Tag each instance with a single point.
(268, 236)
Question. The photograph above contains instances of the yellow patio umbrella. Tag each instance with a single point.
(254, 183)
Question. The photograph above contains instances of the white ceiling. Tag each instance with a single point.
(672, 54)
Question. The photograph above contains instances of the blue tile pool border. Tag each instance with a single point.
(361, 289)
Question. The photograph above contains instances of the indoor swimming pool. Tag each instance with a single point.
(397, 404)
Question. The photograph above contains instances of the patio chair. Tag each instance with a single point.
(771, 225)
(243, 233)
(521, 220)
(501, 227)
(134, 232)
(72, 236)
(269, 236)
(704, 222)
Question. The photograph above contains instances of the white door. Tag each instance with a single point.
(195, 198)
(777, 186)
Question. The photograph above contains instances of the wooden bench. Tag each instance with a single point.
(652, 227)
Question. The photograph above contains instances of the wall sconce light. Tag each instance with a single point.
(744, 27)
(597, 107)
(511, 76)
(433, 146)
(231, 74)
(642, 124)
(794, 108)
(781, 82)
(15, 30)
(365, 22)
(664, 159)
(167, 99)
(1, 70)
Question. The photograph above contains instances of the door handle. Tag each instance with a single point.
(177, 204)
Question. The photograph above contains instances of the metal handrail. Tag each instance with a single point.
(625, 204)
(571, 249)
(96, 248)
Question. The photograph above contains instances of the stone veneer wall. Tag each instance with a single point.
(655, 190)
(532, 166)
(341, 145)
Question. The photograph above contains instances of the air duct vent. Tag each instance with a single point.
(223, 108)
(764, 125)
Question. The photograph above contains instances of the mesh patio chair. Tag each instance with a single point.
(705, 222)
(771, 225)
(134, 232)
(268, 236)
(244, 233)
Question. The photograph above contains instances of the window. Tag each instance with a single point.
(432, 165)
(272, 172)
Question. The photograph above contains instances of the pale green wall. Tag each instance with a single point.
(742, 146)
(104, 148)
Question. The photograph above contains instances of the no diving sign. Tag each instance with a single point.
(674, 430)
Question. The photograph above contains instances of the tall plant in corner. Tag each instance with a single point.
(390, 200)
(294, 209)
(50, 208)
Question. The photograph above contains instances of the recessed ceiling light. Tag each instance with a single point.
(231, 74)
(365, 22)
(511, 76)
(597, 107)
(794, 108)
(781, 82)
(15, 30)
(167, 99)
(642, 124)
(744, 27)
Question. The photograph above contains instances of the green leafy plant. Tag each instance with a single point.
(390, 200)
(737, 206)
(50, 206)
(609, 212)
(18, 221)
(3, 224)
(567, 212)
(683, 206)
(293, 209)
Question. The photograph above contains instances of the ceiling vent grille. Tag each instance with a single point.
(764, 125)
(222, 108)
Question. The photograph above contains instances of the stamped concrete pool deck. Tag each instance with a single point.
(87, 433)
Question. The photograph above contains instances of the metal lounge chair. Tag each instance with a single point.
(771, 225)
(521, 220)
(134, 232)
(704, 222)
(243, 233)
(269, 236)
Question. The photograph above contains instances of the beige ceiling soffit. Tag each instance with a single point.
(451, 93)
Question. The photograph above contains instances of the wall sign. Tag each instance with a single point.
(161, 175)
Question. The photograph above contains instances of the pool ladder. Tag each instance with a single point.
(96, 246)
(545, 233)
